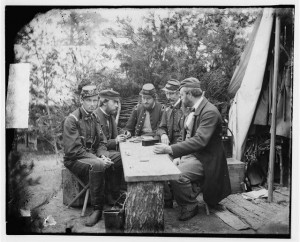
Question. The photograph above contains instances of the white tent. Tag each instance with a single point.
(262, 85)
(246, 98)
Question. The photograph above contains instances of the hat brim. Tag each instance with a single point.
(169, 90)
(88, 95)
(110, 98)
(148, 94)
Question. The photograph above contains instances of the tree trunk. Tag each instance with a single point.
(144, 209)
(26, 139)
(51, 128)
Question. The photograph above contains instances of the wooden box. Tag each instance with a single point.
(236, 171)
(71, 188)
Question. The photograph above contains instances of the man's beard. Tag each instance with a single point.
(112, 112)
(187, 104)
(172, 101)
(148, 107)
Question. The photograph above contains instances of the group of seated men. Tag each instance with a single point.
(190, 130)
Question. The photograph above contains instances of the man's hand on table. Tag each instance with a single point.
(161, 148)
(165, 139)
(121, 138)
(127, 134)
(176, 161)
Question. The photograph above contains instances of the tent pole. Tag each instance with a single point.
(274, 106)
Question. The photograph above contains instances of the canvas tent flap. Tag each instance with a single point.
(240, 70)
(245, 101)
(17, 101)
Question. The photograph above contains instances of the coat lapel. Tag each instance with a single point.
(201, 106)
(197, 114)
(102, 119)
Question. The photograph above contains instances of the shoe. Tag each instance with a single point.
(186, 215)
(168, 204)
(94, 218)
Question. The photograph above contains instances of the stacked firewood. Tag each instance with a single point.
(127, 104)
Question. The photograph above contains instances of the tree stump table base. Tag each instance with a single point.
(144, 208)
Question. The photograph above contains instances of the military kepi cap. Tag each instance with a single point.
(89, 91)
(172, 85)
(148, 89)
(109, 94)
(191, 82)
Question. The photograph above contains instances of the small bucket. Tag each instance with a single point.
(114, 221)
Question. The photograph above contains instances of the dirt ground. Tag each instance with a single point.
(46, 199)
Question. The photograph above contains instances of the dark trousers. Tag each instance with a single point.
(114, 175)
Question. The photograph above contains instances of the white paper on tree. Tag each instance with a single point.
(17, 99)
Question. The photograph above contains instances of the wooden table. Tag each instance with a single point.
(145, 173)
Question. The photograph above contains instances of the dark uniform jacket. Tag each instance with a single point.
(82, 136)
(111, 131)
(172, 123)
(206, 144)
(136, 121)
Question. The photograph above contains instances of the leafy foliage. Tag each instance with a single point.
(186, 43)
(18, 182)
(66, 47)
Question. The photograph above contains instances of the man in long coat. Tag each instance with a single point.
(202, 154)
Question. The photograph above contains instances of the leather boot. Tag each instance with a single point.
(94, 218)
(183, 193)
(114, 180)
(97, 184)
(123, 184)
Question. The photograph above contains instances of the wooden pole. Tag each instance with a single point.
(274, 106)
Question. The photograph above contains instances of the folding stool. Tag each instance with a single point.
(85, 190)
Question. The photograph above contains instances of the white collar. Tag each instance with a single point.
(86, 112)
(197, 104)
(190, 116)
(104, 111)
(153, 105)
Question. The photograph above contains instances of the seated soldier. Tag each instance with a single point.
(173, 116)
(201, 151)
(170, 127)
(83, 142)
(145, 117)
(108, 105)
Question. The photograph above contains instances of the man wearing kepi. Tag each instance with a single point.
(83, 142)
(201, 152)
(145, 117)
(170, 127)
(172, 118)
(108, 105)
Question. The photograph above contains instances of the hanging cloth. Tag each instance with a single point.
(283, 117)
